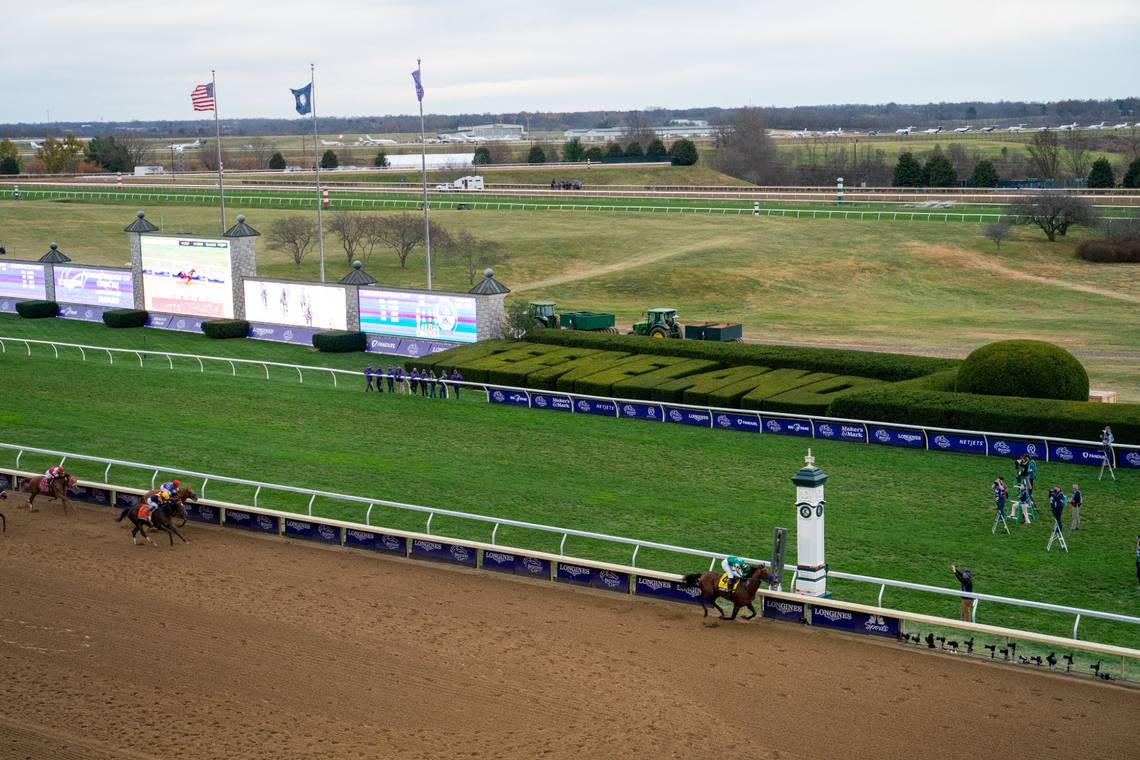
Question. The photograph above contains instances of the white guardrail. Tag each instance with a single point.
(565, 533)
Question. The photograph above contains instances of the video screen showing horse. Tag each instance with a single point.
(300, 305)
(183, 275)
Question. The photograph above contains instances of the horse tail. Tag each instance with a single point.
(122, 514)
(692, 579)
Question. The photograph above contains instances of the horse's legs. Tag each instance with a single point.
(753, 609)
(704, 606)
(170, 527)
(716, 603)
(32, 500)
(735, 609)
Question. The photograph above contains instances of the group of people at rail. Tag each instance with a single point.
(1024, 508)
(423, 382)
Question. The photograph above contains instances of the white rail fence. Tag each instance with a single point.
(367, 505)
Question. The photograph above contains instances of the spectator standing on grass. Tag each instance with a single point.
(400, 379)
(1001, 495)
(443, 383)
(965, 578)
(431, 382)
(414, 380)
(391, 379)
(1057, 504)
(457, 379)
(424, 383)
(368, 378)
(1076, 501)
(1022, 503)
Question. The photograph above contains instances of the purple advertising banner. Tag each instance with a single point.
(203, 513)
(175, 322)
(683, 416)
(671, 590)
(842, 431)
(8, 305)
(1014, 447)
(236, 518)
(588, 576)
(515, 398)
(385, 344)
(282, 333)
(1074, 454)
(92, 286)
(6, 481)
(437, 550)
(750, 423)
(786, 426)
(311, 531)
(1127, 458)
(595, 406)
(82, 312)
(568, 573)
(968, 444)
(857, 622)
(551, 401)
(508, 562)
(379, 542)
(889, 436)
(126, 499)
(91, 495)
(778, 609)
(652, 412)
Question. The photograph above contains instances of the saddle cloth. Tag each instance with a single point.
(45, 485)
(722, 584)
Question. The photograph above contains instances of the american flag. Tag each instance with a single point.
(203, 97)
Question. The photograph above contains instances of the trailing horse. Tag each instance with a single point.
(742, 594)
(159, 520)
(56, 487)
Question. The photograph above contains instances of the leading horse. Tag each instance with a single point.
(56, 488)
(159, 520)
(742, 594)
(177, 502)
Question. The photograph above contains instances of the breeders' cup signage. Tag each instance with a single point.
(460, 555)
(508, 562)
(641, 411)
(858, 622)
(91, 286)
(888, 436)
(202, 513)
(970, 444)
(175, 322)
(92, 495)
(126, 499)
(514, 398)
(1127, 458)
(663, 589)
(841, 431)
(596, 406)
(1068, 452)
(283, 334)
(311, 531)
(737, 421)
(1014, 447)
(778, 609)
(548, 401)
(786, 426)
(588, 576)
(81, 312)
(417, 314)
(236, 518)
(684, 416)
(379, 542)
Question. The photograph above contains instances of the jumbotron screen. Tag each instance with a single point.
(22, 281)
(408, 314)
(298, 304)
(113, 288)
(184, 275)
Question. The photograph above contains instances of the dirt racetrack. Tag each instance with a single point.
(239, 646)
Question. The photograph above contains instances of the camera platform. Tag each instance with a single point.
(999, 518)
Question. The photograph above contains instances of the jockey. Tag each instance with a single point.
(735, 568)
(152, 503)
(170, 487)
(54, 472)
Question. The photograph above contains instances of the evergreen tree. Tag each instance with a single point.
(536, 155)
(381, 159)
(594, 153)
(482, 156)
(939, 172)
(613, 150)
(277, 162)
(683, 152)
(985, 175)
(633, 150)
(329, 160)
(573, 151)
(1132, 176)
(1101, 174)
(9, 165)
(908, 172)
(655, 151)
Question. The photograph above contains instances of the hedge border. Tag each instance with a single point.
(37, 309)
(119, 318)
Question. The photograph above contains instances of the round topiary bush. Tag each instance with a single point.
(37, 309)
(125, 317)
(1028, 368)
(222, 329)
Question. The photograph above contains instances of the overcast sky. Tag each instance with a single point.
(128, 59)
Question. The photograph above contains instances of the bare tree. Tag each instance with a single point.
(998, 231)
(1054, 212)
(294, 235)
(638, 129)
(351, 230)
(403, 232)
(1045, 154)
(473, 254)
(137, 150)
(744, 148)
(259, 151)
(1077, 153)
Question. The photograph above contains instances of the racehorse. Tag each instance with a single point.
(742, 594)
(159, 520)
(177, 502)
(57, 487)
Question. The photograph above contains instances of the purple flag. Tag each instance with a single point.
(419, 87)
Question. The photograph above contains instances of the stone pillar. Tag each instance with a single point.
(135, 231)
(811, 563)
(243, 261)
(490, 305)
(49, 281)
(352, 283)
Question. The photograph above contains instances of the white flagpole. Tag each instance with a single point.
(317, 164)
(423, 171)
(218, 134)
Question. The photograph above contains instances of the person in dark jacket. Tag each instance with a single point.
(457, 379)
(965, 578)
(400, 384)
(1057, 503)
(391, 380)
(431, 382)
(1076, 501)
(414, 380)
(368, 378)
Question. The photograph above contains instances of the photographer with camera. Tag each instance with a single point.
(1001, 495)
(965, 578)
(1057, 502)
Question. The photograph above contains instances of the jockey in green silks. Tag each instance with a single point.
(735, 568)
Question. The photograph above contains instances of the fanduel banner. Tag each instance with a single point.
(381, 344)
(889, 436)
(749, 423)
(1068, 452)
(857, 622)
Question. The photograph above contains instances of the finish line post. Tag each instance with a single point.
(811, 564)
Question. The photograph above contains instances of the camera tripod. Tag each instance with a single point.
(1107, 463)
(1000, 518)
(1057, 535)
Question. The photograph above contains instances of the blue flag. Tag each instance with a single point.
(419, 87)
(304, 98)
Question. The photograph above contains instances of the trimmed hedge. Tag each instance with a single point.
(1005, 414)
(222, 329)
(695, 389)
(550, 378)
(643, 386)
(776, 382)
(815, 398)
(880, 366)
(37, 309)
(339, 341)
(1023, 368)
(125, 317)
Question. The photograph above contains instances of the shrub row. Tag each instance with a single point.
(881, 366)
(1110, 251)
(340, 341)
(223, 329)
(37, 309)
(125, 317)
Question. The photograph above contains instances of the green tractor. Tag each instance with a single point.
(543, 313)
(659, 323)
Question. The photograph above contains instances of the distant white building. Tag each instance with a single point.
(616, 133)
(495, 131)
(688, 123)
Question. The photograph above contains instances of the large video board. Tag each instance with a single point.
(294, 303)
(410, 314)
(112, 288)
(22, 281)
(184, 275)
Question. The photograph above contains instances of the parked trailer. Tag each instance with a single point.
(725, 332)
(589, 321)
